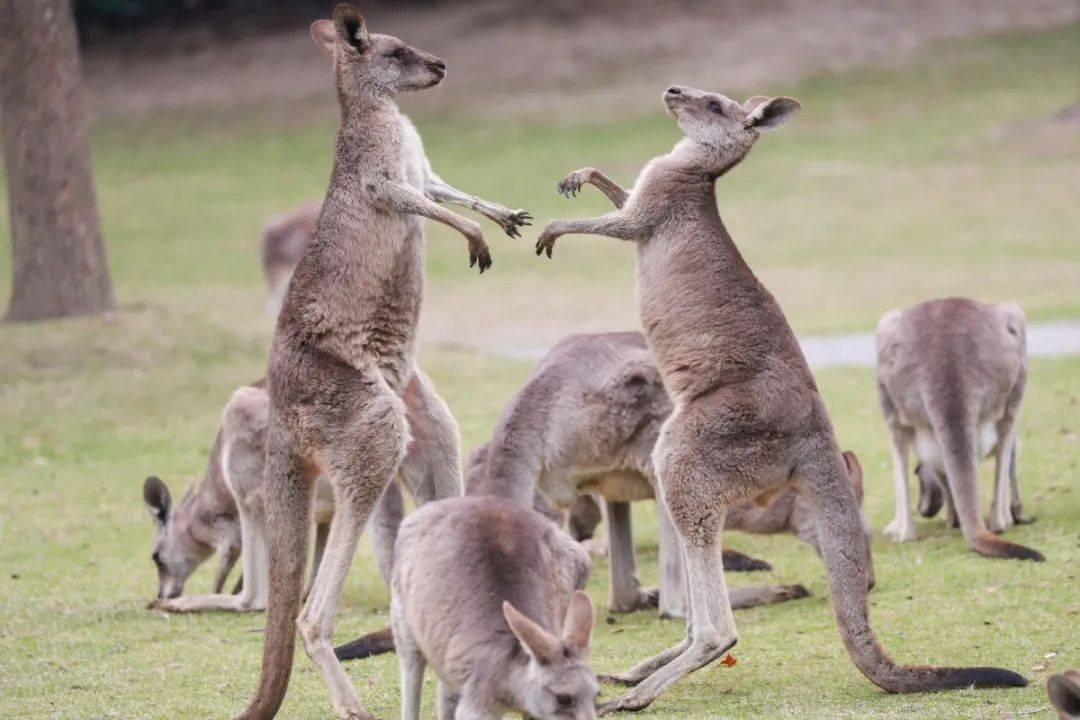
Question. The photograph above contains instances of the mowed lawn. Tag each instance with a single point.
(947, 175)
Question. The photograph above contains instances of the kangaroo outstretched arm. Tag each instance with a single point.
(396, 197)
(619, 225)
(571, 185)
(509, 220)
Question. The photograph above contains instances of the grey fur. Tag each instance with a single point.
(204, 523)
(748, 417)
(951, 376)
(585, 423)
(1064, 692)
(284, 240)
(344, 349)
(236, 466)
(499, 615)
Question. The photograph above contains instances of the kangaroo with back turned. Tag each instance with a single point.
(748, 417)
(344, 349)
(951, 376)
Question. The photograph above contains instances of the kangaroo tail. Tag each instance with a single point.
(288, 510)
(955, 431)
(841, 538)
(376, 643)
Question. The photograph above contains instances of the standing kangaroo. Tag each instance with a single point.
(344, 349)
(748, 417)
(951, 376)
(499, 612)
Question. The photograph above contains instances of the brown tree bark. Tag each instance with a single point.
(59, 266)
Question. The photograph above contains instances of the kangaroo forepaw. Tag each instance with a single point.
(1018, 516)
(644, 599)
(512, 220)
(479, 254)
(999, 521)
(570, 185)
(545, 244)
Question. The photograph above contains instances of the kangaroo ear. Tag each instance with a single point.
(351, 27)
(772, 113)
(854, 470)
(1064, 692)
(577, 626)
(324, 35)
(753, 102)
(538, 642)
(157, 498)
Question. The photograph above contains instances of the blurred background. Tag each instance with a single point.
(938, 153)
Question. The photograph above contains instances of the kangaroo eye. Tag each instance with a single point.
(398, 53)
(715, 107)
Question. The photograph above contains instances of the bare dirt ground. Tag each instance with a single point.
(609, 54)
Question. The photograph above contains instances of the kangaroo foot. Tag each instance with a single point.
(900, 530)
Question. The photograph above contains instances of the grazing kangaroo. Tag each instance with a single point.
(748, 417)
(1064, 692)
(227, 504)
(951, 376)
(237, 466)
(499, 612)
(585, 423)
(204, 523)
(344, 349)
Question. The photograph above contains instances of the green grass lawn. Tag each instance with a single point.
(938, 177)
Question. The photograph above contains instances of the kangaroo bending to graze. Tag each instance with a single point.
(344, 349)
(748, 416)
(586, 423)
(237, 465)
(499, 613)
(951, 376)
(228, 502)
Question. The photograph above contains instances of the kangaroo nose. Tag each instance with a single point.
(674, 91)
(438, 65)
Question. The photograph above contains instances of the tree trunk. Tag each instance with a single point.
(59, 267)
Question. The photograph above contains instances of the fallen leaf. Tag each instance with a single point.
(729, 660)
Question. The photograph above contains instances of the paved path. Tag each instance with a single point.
(1045, 339)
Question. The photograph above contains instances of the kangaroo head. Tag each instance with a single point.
(176, 551)
(370, 66)
(559, 684)
(723, 128)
